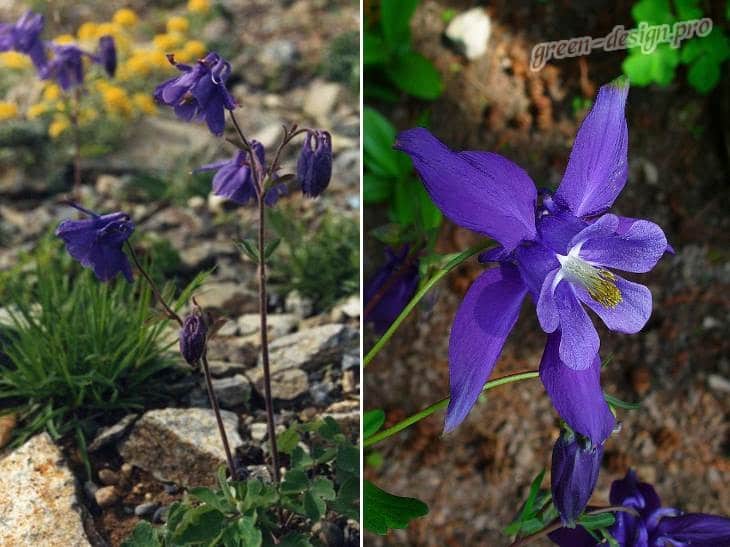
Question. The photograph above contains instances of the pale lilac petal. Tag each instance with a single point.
(484, 319)
(598, 164)
(579, 342)
(547, 311)
(628, 316)
(480, 191)
(576, 394)
(605, 226)
(637, 249)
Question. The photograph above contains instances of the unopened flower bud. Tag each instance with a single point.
(314, 167)
(108, 54)
(192, 338)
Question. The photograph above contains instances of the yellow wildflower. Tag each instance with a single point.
(8, 110)
(88, 31)
(58, 126)
(13, 59)
(199, 6)
(167, 42)
(116, 100)
(51, 92)
(87, 115)
(177, 24)
(158, 59)
(195, 49)
(145, 103)
(36, 110)
(64, 39)
(125, 17)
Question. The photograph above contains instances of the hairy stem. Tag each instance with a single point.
(170, 312)
(257, 173)
(217, 411)
(443, 403)
(427, 286)
(557, 524)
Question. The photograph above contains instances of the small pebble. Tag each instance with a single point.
(126, 470)
(171, 488)
(160, 515)
(148, 496)
(106, 496)
(144, 509)
(108, 477)
(7, 425)
(90, 489)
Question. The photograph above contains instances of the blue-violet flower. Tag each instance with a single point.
(314, 167)
(24, 37)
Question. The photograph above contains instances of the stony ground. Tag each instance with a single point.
(678, 366)
(141, 464)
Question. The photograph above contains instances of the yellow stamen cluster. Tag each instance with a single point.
(600, 283)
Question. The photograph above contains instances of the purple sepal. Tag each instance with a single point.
(314, 166)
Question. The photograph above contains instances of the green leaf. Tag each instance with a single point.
(300, 459)
(348, 459)
(314, 507)
(658, 66)
(429, 215)
(295, 482)
(198, 525)
(259, 494)
(347, 498)
(594, 522)
(248, 247)
(249, 534)
(372, 421)
(376, 189)
(288, 440)
(329, 429)
(294, 539)
(270, 247)
(415, 75)
(395, 20)
(616, 402)
(322, 488)
(375, 50)
(384, 511)
(652, 12)
(143, 536)
(378, 140)
(210, 498)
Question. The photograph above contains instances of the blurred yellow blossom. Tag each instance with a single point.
(36, 110)
(145, 103)
(87, 115)
(64, 39)
(88, 31)
(195, 49)
(13, 59)
(167, 42)
(51, 92)
(177, 24)
(199, 6)
(125, 17)
(116, 100)
(58, 126)
(8, 110)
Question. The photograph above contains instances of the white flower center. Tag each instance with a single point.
(600, 283)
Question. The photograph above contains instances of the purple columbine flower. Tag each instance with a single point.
(107, 55)
(395, 283)
(314, 167)
(655, 526)
(561, 252)
(24, 36)
(575, 466)
(96, 242)
(192, 338)
(234, 180)
(200, 93)
(66, 66)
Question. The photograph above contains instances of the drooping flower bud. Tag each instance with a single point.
(393, 285)
(575, 466)
(107, 56)
(314, 167)
(192, 338)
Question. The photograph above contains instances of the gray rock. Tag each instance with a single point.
(160, 515)
(106, 496)
(109, 185)
(469, 32)
(225, 295)
(112, 433)
(147, 508)
(286, 385)
(311, 348)
(278, 324)
(719, 383)
(232, 392)
(258, 431)
(351, 359)
(321, 100)
(348, 308)
(38, 500)
(261, 472)
(299, 305)
(222, 369)
(180, 445)
(108, 477)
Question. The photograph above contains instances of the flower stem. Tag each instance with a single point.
(217, 411)
(256, 171)
(557, 524)
(77, 145)
(443, 403)
(170, 312)
(427, 286)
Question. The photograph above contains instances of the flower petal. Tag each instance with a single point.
(572, 537)
(547, 311)
(629, 492)
(628, 316)
(598, 164)
(579, 341)
(484, 319)
(576, 394)
(696, 529)
(637, 249)
(477, 190)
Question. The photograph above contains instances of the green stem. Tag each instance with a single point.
(443, 403)
(453, 263)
